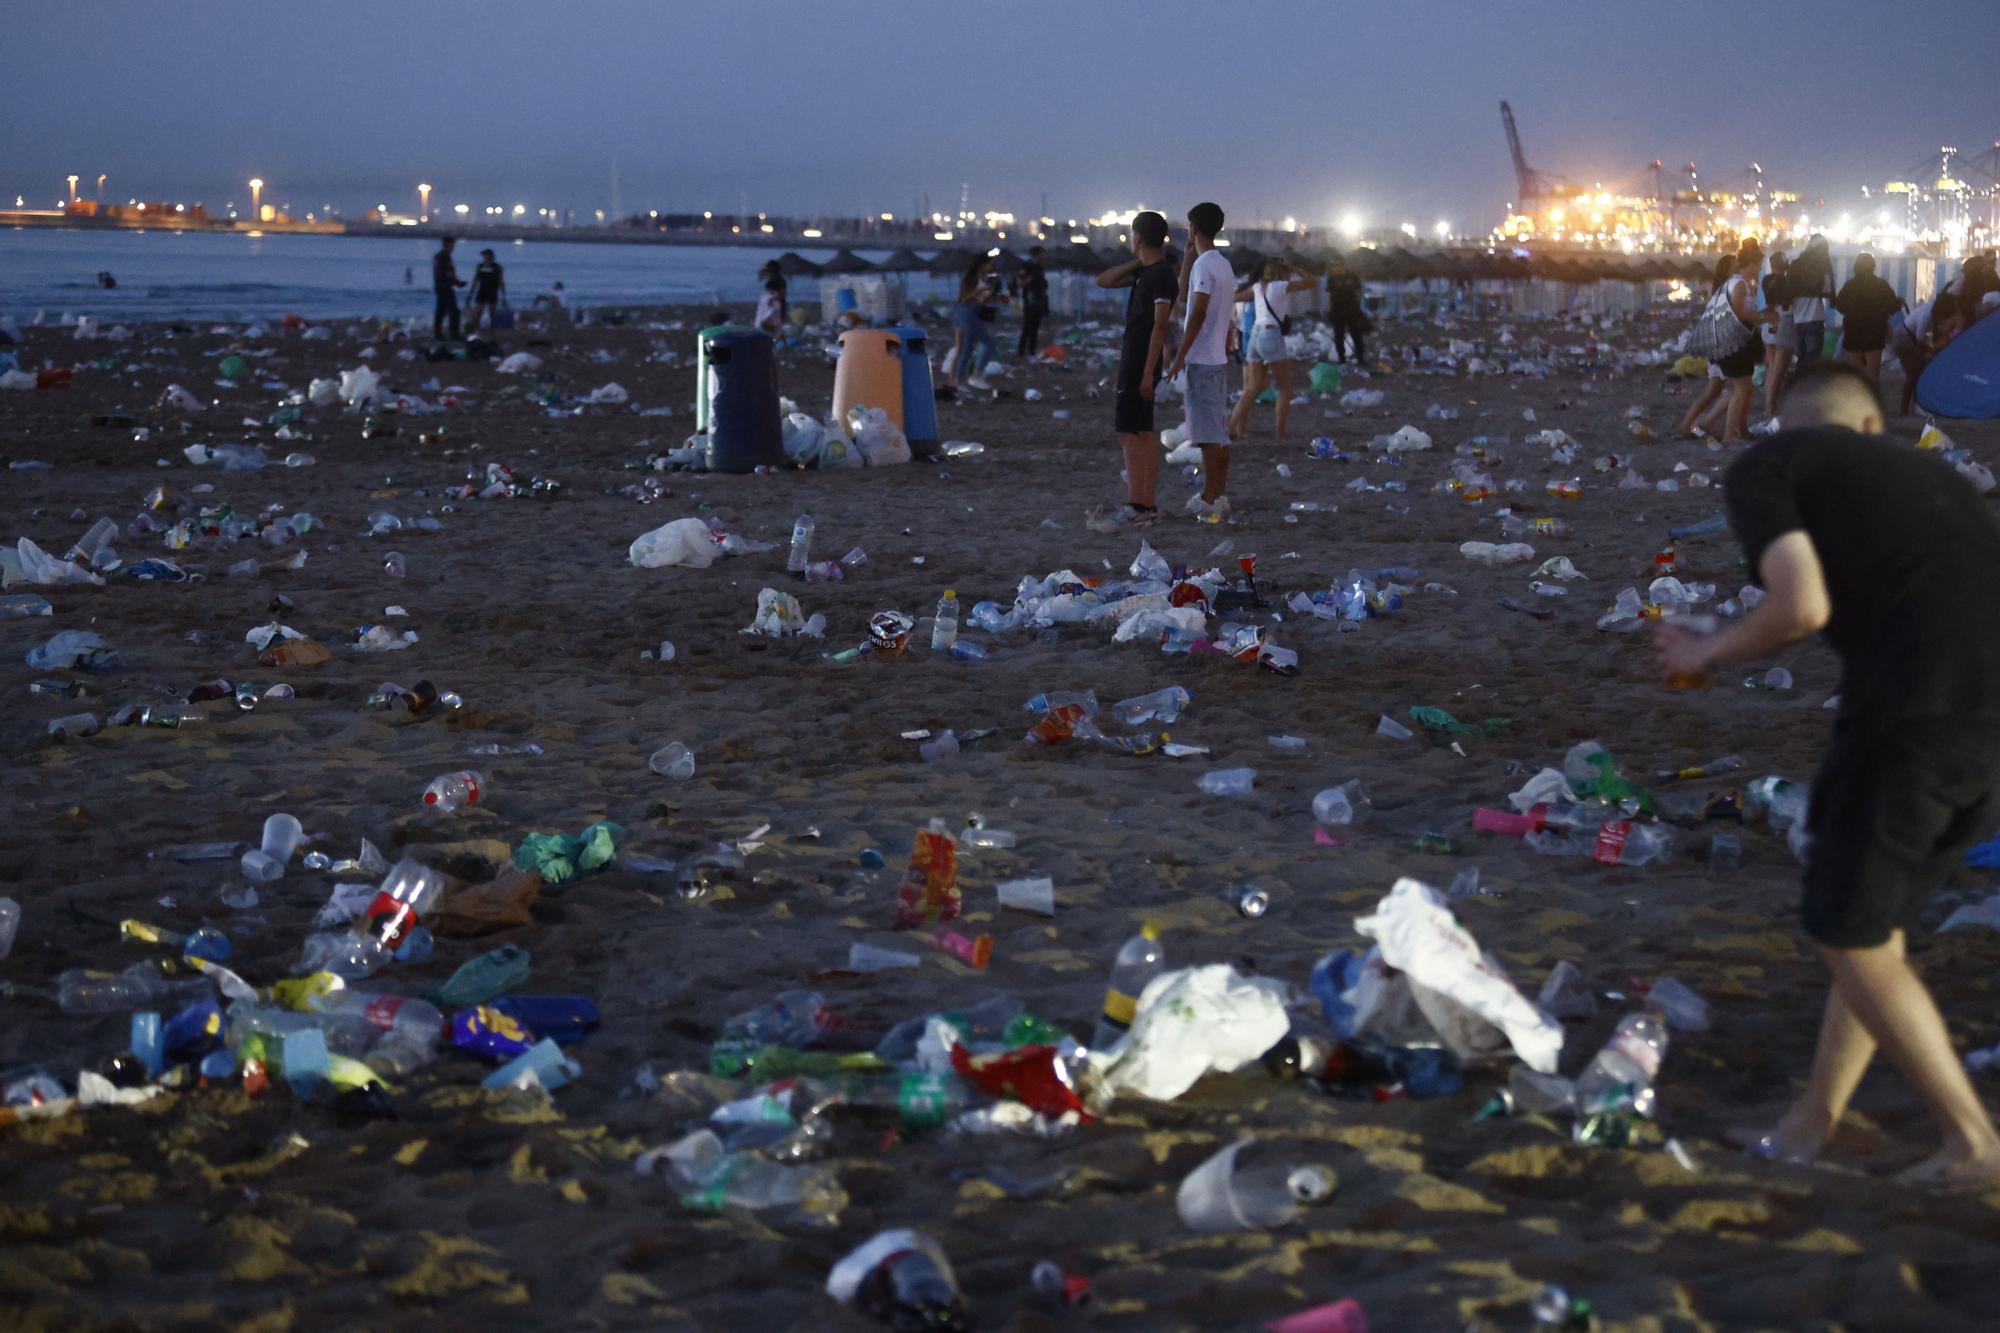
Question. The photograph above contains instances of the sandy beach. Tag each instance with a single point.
(208, 1207)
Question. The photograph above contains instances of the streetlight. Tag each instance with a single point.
(1443, 230)
(423, 202)
(256, 193)
(100, 187)
(72, 187)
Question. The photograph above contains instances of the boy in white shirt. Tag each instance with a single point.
(1210, 286)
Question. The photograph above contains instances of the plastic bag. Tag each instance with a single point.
(778, 615)
(1189, 1023)
(1406, 440)
(39, 568)
(685, 541)
(880, 441)
(359, 386)
(323, 393)
(836, 450)
(803, 438)
(520, 363)
(612, 393)
(1465, 994)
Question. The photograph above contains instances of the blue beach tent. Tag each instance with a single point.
(1964, 379)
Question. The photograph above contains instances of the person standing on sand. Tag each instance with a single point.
(1344, 308)
(1866, 305)
(1884, 550)
(445, 283)
(1140, 360)
(1210, 287)
(972, 318)
(1780, 339)
(1031, 288)
(1810, 283)
(489, 289)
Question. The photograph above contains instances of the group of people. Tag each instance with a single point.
(1788, 332)
(489, 291)
(982, 290)
(1224, 319)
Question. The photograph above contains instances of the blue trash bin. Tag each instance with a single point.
(742, 400)
(919, 398)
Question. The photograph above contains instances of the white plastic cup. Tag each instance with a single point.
(282, 836)
(1392, 729)
(261, 868)
(1029, 895)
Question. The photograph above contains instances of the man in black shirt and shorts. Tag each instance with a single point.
(1140, 361)
(1894, 556)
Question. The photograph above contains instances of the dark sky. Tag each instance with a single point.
(1386, 110)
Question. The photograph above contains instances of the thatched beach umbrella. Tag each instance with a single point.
(847, 262)
(797, 266)
(902, 261)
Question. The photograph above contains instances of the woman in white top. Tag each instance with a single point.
(1738, 290)
(1266, 358)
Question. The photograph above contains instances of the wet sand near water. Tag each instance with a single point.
(209, 1207)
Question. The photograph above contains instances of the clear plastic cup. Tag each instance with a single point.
(1218, 1197)
(674, 761)
(1029, 895)
(282, 836)
(869, 958)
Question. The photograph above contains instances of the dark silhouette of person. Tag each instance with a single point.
(445, 283)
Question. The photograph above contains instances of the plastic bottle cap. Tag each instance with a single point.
(1151, 930)
(951, 593)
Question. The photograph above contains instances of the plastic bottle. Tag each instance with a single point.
(1621, 1075)
(944, 629)
(139, 986)
(1163, 706)
(1139, 961)
(102, 533)
(800, 557)
(965, 650)
(1784, 803)
(486, 977)
(1228, 781)
(408, 1028)
(454, 791)
(410, 890)
(1619, 842)
(1047, 703)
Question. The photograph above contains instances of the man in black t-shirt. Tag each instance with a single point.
(445, 283)
(1141, 359)
(1031, 288)
(1894, 556)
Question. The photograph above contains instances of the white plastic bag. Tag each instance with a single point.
(323, 393)
(1465, 994)
(612, 393)
(520, 363)
(1189, 1023)
(1406, 440)
(359, 386)
(836, 450)
(880, 441)
(803, 438)
(41, 569)
(685, 541)
(778, 614)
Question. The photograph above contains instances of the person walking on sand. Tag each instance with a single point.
(1210, 287)
(1344, 308)
(1884, 550)
(1780, 339)
(1031, 289)
(1739, 367)
(489, 289)
(972, 318)
(1267, 359)
(1140, 359)
(445, 283)
(1866, 305)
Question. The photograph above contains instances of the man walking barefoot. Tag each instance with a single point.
(1204, 354)
(1140, 361)
(1889, 552)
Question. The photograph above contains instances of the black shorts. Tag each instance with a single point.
(1743, 362)
(1130, 413)
(1892, 815)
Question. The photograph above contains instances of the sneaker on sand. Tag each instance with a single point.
(1102, 518)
